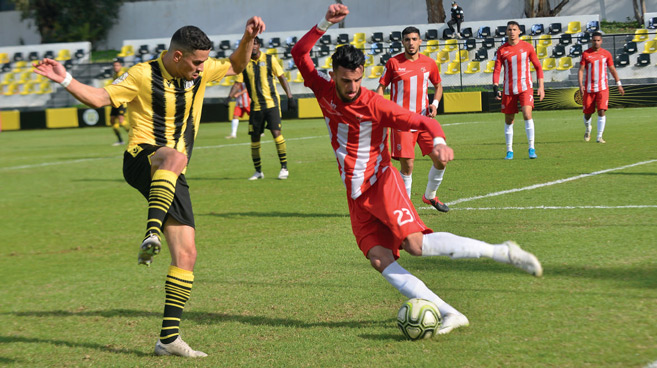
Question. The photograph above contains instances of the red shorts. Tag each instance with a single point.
(510, 102)
(384, 215)
(402, 143)
(595, 99)
(240, 111)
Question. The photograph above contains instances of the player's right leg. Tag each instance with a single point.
(115, 127)
(508, 135)
(256, 127)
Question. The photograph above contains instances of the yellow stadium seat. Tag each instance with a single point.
(442, 57)
(574, 27)
(126, 50)
(8, 79)
(526, 38)
(63, 54)
(541, 52)
(545, 40)
(650, 46)
(369, 60)
(549, 64)
(376, 72)
(439, 65)
(453, 68)
(299, 78)
(45, 87)
(19, 66)
(565, 63)
(433, 46)
(640, 35)
(4, 58)
(450, 45)
(473, 67)
(461, 56)
(12, 89)
(328, 63)
(25, 77)
(30, 87)
(359, 38)
(490, 66)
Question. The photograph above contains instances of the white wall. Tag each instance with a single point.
(16, 32)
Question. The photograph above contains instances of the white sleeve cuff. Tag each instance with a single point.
(324, 25)
(439, 140)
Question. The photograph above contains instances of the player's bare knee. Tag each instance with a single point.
(413, 244)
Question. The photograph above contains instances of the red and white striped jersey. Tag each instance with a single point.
(595, 69)
(516, 59)
(242, 100)
(409, 81)
(357, 129)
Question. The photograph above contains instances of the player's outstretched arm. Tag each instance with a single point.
(88, 95)
(444, 153)
(240, 58)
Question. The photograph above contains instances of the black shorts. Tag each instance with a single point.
(117, 111)
(257, 121)
(137, 172)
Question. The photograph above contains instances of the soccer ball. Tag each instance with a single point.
(418, 319)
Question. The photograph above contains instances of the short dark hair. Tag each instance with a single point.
(513, 22)
(409, 30)
(189, 39)
(348, 57)
(258, 40)
(596, 33)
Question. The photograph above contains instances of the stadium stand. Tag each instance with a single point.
(573, 27)
(643, 60)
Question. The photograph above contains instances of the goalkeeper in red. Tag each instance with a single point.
(383, 218)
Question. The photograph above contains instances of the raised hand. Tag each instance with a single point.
(50, 69)
(336, 13)
(254, 27)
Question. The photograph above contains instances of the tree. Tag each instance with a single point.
(435, 11)
(541, 8)
(71, 20)
(639, 10)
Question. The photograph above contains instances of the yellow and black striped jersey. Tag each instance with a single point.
(163, 110)
(120, 73)
(261, 77)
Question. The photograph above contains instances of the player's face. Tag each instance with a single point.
(513, 32)
(412, 43)
(596, 42)
(347, 82)
(255, 53)
(117, 67)
(191, 64)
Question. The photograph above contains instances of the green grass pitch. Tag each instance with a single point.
(280, 281)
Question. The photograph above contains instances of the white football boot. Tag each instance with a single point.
(177, 347)
(523, 259)
(452, 321)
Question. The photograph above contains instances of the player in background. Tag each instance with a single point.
(165, 98)
(242, 106)
(408, 75)
(117, 119)
(382, 216)
(515, 56)
(260, 78)
(594, 84)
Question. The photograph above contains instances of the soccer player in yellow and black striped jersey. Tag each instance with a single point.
(260, 78)
(164, 98)
(117, 120)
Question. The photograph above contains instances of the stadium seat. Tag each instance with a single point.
(298, 78)
(574, 27)
(432, 45)
(450, 45)
(630, 48)
(341, 39)
(649, 47)
(143, 50)
(431, 34)
(453, 68)
(328, 63)
(24, 77)
(44, 87)
(126, 50)
(575, 50)
(63, 55)
(292, 40)
(503, 40)
(376, 48)
(473, 67)
(8, 79)
(18, 56)
(324, 50)
(79, 54)
(376, 72)
(490, 66)
(544, 40)
(549, 64)
(448, 34)
(565, 39)
(358, 39)
(33, 56)
(30, 87)
(558, 51)
(325, 39)
(622, 60)
(484, 32)
(461, 56)
(220, 54)
(541, 52)
(442, 57)
(394, 36)
(527, 38)
(49, 54)
(223, 45)
(481, 54)
(5, 67)
(13, 89)
(395, 47)
(643, 60)
(376, 37)
(640, 35)
(554, 28)
(500, 31)
(466, 32)
(19, 66)
(652, 23)
(488, 43)
(274, 42)
(369, 60)
(4, 58)
(161, 47)
(384, 58)
(584, 38)
(565, 63)
(593, 26)
(537, 29)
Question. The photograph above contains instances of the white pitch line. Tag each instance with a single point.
(547, 208)
(536, 186)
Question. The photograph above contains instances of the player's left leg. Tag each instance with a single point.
(602, 121)
(115, 123)
(508, 135)
(529, 129)
(406, 165)
(435, 179)
(274, 125)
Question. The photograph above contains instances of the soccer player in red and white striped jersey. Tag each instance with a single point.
(408, 75)
(242, 106)
(382, 217)
(594, 84)
(515, 56)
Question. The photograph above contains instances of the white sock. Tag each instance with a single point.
(233, 125)
(447, 244)
(587, 124)
(435, 178)
(508, 133)
(529, 128)
(601, 125)
(408, 183)
(412, 287)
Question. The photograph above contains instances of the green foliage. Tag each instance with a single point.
(629, 26)
(280, 282)
(71, 20)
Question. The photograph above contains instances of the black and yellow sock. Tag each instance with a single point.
(255, 156)
(115, 128)
(163, 188)
(178, 288)
(282, 150)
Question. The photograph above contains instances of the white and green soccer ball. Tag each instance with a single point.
(419, 319)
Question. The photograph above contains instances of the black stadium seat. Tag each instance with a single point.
(32, 56)
(488, 43)
(394, 36)
(376, 37)
(481, 55)
(325, 40)
(554, 28)
(622, 60)
(643, 60)
(466, 32)
(79, 54)
(584, 38)
(523, 30)
(470, 44)
(341, 39)
(652, 23)
(593, 26)
(161, 47)
(448, 34)
(376, 48)
(565, 39)
(431, 34)
(575, 50)
(630, 48)
(49, 54)
(500, 31)
(384, 58)
(558, 51)
(537, 29)
(18, 56)
(323, 50)
(143, 50)
(274, 42)
(484, 32)
(395, 47)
